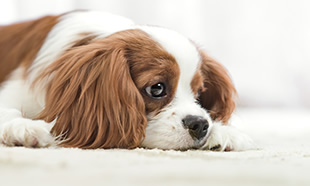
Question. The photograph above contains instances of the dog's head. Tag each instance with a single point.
(147, 87)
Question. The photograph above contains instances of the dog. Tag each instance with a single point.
(90, 80)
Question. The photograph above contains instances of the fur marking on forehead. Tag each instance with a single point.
(180, 47)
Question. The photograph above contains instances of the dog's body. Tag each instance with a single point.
(95, 80)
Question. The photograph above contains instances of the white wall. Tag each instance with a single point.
(265, 44)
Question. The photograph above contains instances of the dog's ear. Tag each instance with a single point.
(218, 97)
(93, 98)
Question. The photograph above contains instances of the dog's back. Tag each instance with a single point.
(19, 43)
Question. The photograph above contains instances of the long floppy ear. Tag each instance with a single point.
(94, 99)
(218, 97)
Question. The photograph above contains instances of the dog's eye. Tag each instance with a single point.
(156, 91)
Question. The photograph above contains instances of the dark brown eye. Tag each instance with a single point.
(156, 91)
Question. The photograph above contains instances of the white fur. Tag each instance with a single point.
(166, 130)
(19, 103)
(18, 130)
(222, 137)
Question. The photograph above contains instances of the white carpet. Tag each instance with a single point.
(283, 159)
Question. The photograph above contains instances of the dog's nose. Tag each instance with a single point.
(197, 126)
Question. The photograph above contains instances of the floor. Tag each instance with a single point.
(282, 159)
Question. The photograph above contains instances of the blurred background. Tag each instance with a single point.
(265, 44)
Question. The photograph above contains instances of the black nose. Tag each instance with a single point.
(197, 126)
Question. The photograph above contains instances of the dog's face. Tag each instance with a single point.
(170, 78)
(148, 87)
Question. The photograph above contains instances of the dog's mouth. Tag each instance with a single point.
(197, 145)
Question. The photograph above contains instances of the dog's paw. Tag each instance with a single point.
(227, 138)
(26, 132)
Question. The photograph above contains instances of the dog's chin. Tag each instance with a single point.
(186, 143)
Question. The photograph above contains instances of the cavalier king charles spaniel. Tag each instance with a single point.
(91, 80)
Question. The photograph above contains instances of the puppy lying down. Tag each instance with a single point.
(95, 80)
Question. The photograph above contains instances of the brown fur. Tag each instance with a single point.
(197, 84)
(218, 97)
(20, 43)
(86, 38)
(152, 65)
(97, 93)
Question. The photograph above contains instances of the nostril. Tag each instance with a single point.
(205, 127)
(194, 127)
